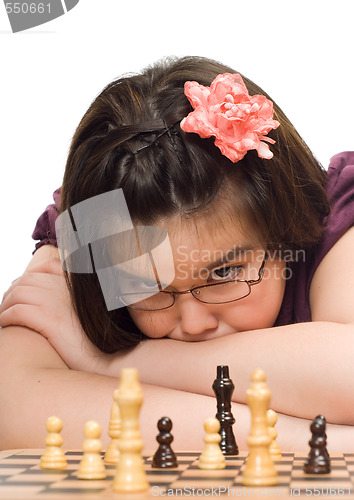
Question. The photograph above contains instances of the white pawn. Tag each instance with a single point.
(212, 457)
(112, 453)
(91, 465)
(273, 447)
(53, 457)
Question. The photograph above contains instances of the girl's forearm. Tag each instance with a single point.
(38, 385)
(301, 361)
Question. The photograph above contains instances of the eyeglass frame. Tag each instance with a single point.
(250, 283)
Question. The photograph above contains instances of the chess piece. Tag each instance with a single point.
(53, 457)
(325, 452)
(164, 456)
(112, 453)
(223, 388)
(130, 474)
(318, 461)
(259, 469)
(212, 457)
(273, 447)
(91, 465)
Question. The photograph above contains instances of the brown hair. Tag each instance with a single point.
(180, 173)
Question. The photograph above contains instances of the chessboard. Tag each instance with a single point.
(22, 478)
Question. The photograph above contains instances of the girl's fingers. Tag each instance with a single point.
(39, 273)
(39, 280)
(24, 295)
(26, 315)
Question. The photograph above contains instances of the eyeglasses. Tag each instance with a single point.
(215, 293)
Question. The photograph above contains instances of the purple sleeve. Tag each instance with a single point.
(45, 227)
(340, 192)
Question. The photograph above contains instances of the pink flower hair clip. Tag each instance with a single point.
(239, 122)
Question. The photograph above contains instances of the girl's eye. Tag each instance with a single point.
(139, 284)
(147, 285)
(227, 273)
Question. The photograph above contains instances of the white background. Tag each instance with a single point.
(301, 52)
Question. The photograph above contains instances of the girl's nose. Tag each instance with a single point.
(195, 317)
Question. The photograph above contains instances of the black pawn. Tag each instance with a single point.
(164, 456)
(318, 461)
(223, 388)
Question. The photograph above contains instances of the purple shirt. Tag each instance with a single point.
(296, 304)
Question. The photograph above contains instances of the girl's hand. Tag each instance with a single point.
(40, 300)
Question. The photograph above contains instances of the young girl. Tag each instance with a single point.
(261, 238)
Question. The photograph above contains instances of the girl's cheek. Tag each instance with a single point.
(154, 325)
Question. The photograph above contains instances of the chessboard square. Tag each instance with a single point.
(37, 471)
(72, 462)
(241, 456)
(338, 464)
(285, 460)
(299, 462)
(9, 470)
(207, 474)
(338, 469)
(284, 473)
(9, 454)
(32, 452)
(79, 484)
(339, 473)
(234, 461)
(23, 491)
(177, 470)
(337, 456)
(225, 469)
(183, 456)
(180, 462)
(21, 461)
(188, 455)
(321, 483)
(110, 474)
(163, 477)
(198, 483)
(71, 459)
(36, 478)
(283, 467)
(61, 493)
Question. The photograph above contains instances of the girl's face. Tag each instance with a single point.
(203, 255)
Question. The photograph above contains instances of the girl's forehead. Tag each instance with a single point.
(210, 233)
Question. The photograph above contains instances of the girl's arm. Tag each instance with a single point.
(309, 365)
(38, 384)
